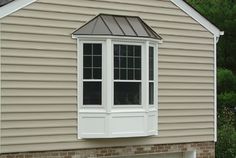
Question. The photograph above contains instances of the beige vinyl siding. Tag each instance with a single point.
(0, 87)
(39, 71)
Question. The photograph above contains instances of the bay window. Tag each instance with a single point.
(117, 78)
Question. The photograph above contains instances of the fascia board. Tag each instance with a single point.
(13, 6)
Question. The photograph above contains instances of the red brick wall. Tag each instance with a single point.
(204, 150)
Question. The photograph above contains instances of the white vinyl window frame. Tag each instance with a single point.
(105, 113)
(134, 43)
(155, 73)
(80, 73)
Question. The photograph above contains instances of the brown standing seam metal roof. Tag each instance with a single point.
(4, 2)
(117, 25)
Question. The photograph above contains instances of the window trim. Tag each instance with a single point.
(80, 78)
(107, 81)
(120, 42)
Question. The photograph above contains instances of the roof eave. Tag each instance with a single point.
(14, 6)
(117, 37)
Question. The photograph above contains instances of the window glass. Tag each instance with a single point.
(92, 58)
(92, 92)
(127, 62)
(151, 75)
(127, 93)
(151, 63)
(92, 69)
(151, 93)
(87, 73)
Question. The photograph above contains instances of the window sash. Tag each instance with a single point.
(131, 52)
(151, 76)
(91, 80)
(127, 61)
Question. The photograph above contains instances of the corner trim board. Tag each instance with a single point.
(0, 87)
(14, 6)
(198, 17)
(78, 85)
(215, 88)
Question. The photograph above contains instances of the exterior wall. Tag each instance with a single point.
(39, 110)
(203, 150)
(0, 90)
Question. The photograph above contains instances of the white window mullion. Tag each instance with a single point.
(156, 71)
(145, 76)
(145, 84)
(156, 86)
(108, 68)
(79, 82)
(108, 83)
(80, 74)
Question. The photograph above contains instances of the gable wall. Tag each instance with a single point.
(39, 74)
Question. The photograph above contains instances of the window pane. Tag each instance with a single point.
(130, 62)
(123, 74)
(116, 50)
(130, 74)
(123, 50)
(151, 63)
(137, 74)
(87, 73)
(97, 73)
(87, 61)
(137, 62)
(97, 49)
(138, 51)
(92, 93)
(123, 62)
(130, 51)
(116, 62)
(127, 93)
(151, 93)
(87, 49)
(97, 61)
(116, 74)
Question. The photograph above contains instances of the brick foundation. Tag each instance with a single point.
(204, 150)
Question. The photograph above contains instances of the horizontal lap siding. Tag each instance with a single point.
(39, 74)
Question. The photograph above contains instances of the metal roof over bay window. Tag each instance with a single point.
(117, 25)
